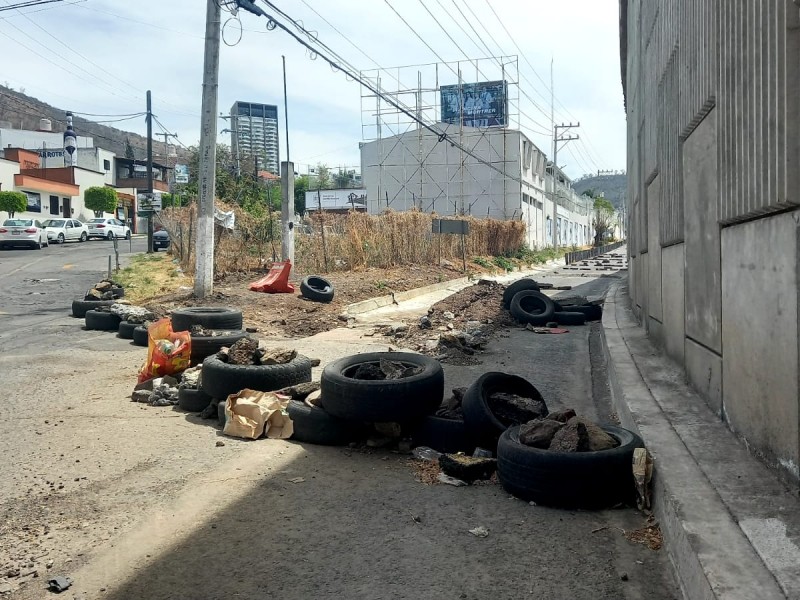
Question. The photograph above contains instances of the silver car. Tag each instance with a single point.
(66, 230)
(23, 232)
(108, 228)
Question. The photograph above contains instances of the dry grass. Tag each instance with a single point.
(425, 471)
(150, 275)
(649, 535)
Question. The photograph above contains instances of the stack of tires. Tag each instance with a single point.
(224, 323)
(528, 305)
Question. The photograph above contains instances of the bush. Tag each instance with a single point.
(100, 200)
(13, 202)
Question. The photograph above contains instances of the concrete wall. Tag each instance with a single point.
(714, 181)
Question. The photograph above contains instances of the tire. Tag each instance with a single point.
(125, 330)
(61, 238)
(84, 236)
(39, 244)
(128, 234)
(79, 307)
(210, 317)
(444, 435)
(118, 292)
(568, 479)
(593, 312)
(192, 400)
(480, 422)
(221, 413)
(546, 286)
(398, 400)
(530, 306)
(222, 379)
(316, 288)
(110, 236)
(314, 425)
(204, 346)
(102, 321)
(140, 337)
(570, 318)
(568, 303)
(518, 286)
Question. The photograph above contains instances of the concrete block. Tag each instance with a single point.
(704, 371)
(702, 235)
(672, 272)
(654, 294)
(760, 337)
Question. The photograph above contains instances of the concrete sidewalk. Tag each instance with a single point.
(731, 526)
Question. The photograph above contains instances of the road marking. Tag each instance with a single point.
(18, 269)
(68, 266)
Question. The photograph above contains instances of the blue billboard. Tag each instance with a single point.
(475, 104)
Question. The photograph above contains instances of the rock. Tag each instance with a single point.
(448, 315)
(275, 356)
(396, 370)
(242, 352)
(299, 391)
(511, 409)
(598, 439)
(425, 322)
(467, 468)
(94, 295)
(561, 416)
(572, 437)
(539, 433)
(472, 326)
(251, 329)
(454, 339)
(369, 372)
(430, 345)
(191, 377)
(220, 443)
(103, 286)
(399, 328)
(624, 577)
(450, 326)
(141, 396)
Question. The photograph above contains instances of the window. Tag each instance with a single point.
(34, 202)
(106, 165)
(54, 205)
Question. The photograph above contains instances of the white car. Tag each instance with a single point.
(66, 230)
(108, 228)
(27, 232)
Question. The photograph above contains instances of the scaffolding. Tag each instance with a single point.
(477, 173)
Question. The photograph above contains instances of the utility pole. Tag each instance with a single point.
(558, 138)
(287, 210)
(204, 269)
(285, 109)
(150, 171)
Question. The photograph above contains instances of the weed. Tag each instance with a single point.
(503, 263)
(479, 260)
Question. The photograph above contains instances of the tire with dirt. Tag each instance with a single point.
(221, 379)
(193, 400)
(481, 424)
(517, 286)
(140, 337)
(204, 346)
(531, 306)
(593, 312)
(102, 321)
(568, 479)
(210, 317)
(316, 288)
(79, 307)
(570, 318)
(125, 330)
(312, 424)
(382, 400)
(444, 435)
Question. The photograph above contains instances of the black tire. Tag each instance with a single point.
(79, 307)
(530, 306)
(382, 401)
(517, 286)
(61, 239)
(481, 424)
(546, 286)
(570, 318)
(125, 330)
(314, 425)
(192, 400)
(102, 321)
(221, 412)
(593, 312)
(568, 479)
(117, 292)
(567, 303)
(210, 317)
(444, 435)
(84, 237)
(316, 288)
(128, 234)
(222, 379)
(140, 337)
(204, 346)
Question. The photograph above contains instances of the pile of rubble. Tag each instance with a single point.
(564, 431)
(106, 289)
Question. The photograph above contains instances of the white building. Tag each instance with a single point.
(254, 133)
(500, 175)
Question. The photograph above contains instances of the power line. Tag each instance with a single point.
(28, 4)
(31, 12)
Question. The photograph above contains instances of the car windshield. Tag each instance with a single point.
(18, 223)
(96, 221)
(54, 223)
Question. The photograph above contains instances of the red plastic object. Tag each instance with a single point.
(276, 281)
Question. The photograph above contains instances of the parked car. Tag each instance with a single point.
(108, 228)
(27, 232)
(160, 240)
(66, 230)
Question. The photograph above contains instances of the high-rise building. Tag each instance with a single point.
(254, 134)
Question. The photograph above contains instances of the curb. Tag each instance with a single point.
(712, 555)
(363, 306)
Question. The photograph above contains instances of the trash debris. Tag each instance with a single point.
(59, 584)
(132, 314)
(467, 468)
(548, 330)
(426, 453)
(642, 475)
(297, 480)
(481, 532)
(650, 535)
(442, 478)
(142, 396)
(251, 414)
(276, 281)
(168, 352)
(164, 394)
(191, 378)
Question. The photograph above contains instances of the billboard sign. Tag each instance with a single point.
(476, 104)
(337, 199)
(149, 202)
(181, 173)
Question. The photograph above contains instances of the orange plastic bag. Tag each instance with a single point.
(168, 352)
(276, 281)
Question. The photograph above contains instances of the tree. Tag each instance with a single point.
(300, 188)
(173, 200)
(100, 200)
(13, 202)
(322, 177)
(603, 219)
(342, 179)
(129, 153)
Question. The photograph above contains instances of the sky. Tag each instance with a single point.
(100, 56)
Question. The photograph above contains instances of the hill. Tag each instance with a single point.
(613, 187)
(24, 112)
